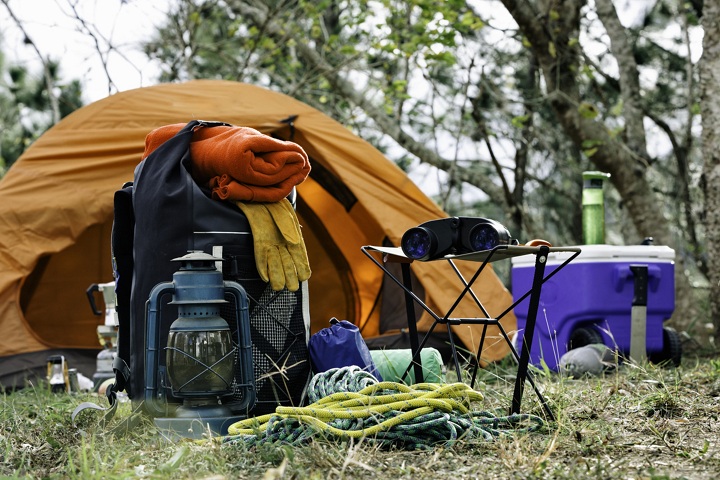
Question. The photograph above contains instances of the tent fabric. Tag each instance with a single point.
(56, 207)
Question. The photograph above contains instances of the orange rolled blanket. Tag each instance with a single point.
(240, 163)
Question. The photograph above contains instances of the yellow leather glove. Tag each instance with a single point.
(280, 254)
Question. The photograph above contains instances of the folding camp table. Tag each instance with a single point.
(501, 252)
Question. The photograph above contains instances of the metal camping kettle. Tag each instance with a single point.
(107, 332)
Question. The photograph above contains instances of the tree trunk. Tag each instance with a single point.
(551, 37)
(710, 109)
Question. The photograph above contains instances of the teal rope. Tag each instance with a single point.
(345, 379)
(439, 426)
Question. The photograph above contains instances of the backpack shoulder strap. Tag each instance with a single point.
(121, 245)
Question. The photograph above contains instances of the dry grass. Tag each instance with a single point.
(641, 422)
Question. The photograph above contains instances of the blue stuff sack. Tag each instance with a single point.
(340, 345)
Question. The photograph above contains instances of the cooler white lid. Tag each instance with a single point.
(607, 253)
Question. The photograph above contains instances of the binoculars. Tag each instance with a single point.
(454, 236)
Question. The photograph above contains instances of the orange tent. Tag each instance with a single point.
(56, 209)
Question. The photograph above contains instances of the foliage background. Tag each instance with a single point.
(495, 107)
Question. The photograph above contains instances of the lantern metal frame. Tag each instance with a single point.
(195, 421)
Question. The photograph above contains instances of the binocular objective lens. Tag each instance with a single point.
(484, 237)
(416, 243)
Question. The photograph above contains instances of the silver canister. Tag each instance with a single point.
(73, 380)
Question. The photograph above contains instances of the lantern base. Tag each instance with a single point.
(190, 410)
(197, 419)
(195, 427)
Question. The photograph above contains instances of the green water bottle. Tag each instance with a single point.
(593, 203)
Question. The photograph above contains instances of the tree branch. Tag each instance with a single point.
(622, 49)
(89, 32)
(47, 76)
(257, 12)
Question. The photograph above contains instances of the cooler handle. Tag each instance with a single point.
(622, 275)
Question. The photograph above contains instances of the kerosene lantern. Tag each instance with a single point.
(201, 356)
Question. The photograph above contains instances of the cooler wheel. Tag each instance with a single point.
(582, 336)
(671, 353)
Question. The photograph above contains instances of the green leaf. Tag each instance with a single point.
(705, 447)
(588, 72)
(545, 368)
(520, 120)
(443, 57)
(614, 132)
(267, 43)
(551, 50)
(348, 50)
(399, 85)
(467, 19)
(590, 147)
(591, 143)
(588, 110)
(617, 109)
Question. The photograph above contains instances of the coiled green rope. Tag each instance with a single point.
(350, 403)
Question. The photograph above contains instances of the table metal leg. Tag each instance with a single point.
(479, 354)
(412, 326)
(540, 261)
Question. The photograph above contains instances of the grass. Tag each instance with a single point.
(642, 422)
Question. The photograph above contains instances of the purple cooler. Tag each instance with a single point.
(590, 301)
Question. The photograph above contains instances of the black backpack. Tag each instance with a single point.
(162, 215)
